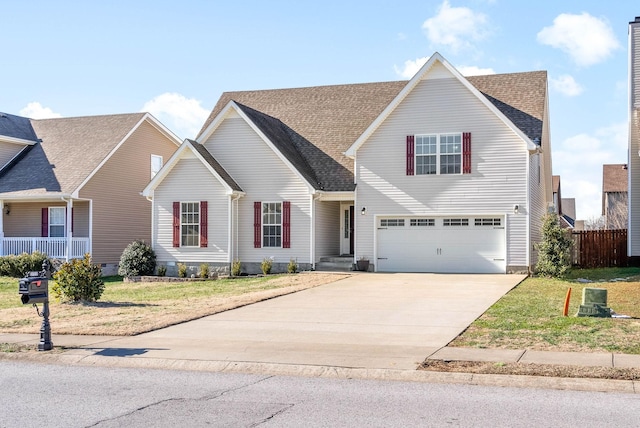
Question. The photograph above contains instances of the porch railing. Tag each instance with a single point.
(53, 247)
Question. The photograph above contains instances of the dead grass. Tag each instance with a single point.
(132, 316)
(532, 369)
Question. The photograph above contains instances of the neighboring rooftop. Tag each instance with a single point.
(71, 149)
(615, 178)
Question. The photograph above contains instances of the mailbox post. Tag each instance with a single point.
(34, 288)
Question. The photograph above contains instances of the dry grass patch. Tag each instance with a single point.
(133, 308)
(530, 316)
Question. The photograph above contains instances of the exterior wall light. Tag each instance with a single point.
(363, 211)
(516, 208)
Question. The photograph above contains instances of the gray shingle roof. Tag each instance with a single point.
(215, 165)
(16, 127)
(326, 120)
(71, 149)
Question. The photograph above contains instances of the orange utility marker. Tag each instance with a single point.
(565, 312)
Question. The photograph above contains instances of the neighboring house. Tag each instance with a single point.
(615, 181)
(438, 174)
(569, 211)
(72, 185)
(633, 233)
(566, 221)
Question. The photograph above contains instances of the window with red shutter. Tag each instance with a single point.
(286, 224)
(410, 154)
(204, 222)
(176, 224)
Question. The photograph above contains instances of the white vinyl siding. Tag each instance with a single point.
(634, 142)
(634, 47)
(264, 177)
(327, 216)
(499, 159)
(190, 180)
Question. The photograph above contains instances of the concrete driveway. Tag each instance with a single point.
(373, 320)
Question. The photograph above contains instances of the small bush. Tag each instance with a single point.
(137, 259)
(204, 270)
(266, 265)
(292, 267)
(554, 251)
(18, 266)
(78, 280)
(162, 270)
(182, 270)
(236, 268)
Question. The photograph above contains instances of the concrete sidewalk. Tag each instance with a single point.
(103, 346)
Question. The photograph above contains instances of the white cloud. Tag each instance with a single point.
(586, 39)
(472, 70)
(35, 110)
(184, 116)
(566, 85)
(456, 27)
(579, 159)
(410, 67)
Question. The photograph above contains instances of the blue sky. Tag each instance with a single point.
(174, 59)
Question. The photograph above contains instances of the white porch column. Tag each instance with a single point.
(69, 228)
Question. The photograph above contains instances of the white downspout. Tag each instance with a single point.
(153, 221)
(91, 226)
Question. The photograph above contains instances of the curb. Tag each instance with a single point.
(510, 381)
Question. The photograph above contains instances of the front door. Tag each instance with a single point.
(346, 223)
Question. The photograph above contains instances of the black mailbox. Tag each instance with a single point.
(34, 288)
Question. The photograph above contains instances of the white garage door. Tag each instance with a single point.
(464, 244)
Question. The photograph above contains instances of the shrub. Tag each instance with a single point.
(182, 270)
(78, 280)
(236, 268)
(266, 265)
(554, 251)
(137, 259)
(292, 267)
(162, 270)
(204, 270)
(18, 266)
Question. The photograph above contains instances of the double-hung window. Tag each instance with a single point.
(156, 164)
(56, 221)
(190, 224)
(438, 154)
(271, 224)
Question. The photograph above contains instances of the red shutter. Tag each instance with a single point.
(204, 221)
(286, 224)
(257, 224)
(72, 220)
(44, 230)
(176, 224)
(410, 154)
(466, 152)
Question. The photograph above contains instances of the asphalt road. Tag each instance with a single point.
(34, 394)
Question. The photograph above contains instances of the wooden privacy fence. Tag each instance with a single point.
(599, 248)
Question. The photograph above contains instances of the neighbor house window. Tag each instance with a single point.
(156, 164)
(190, 224)
(56, 222)
(271, 224)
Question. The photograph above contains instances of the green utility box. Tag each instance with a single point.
(594, 303)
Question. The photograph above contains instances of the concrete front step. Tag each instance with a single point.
(335, 263)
